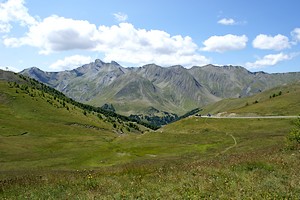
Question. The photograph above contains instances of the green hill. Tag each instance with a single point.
(279, 101)
(43, 128)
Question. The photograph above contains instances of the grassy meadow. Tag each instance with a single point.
(278, 101)
(50, 152)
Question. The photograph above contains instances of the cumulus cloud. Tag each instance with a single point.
(224, 43)
(296, 34)
(57, 34)
(140, 46)
(269, 60)
(70, 62)
(226, 21)
(122, 42)
(278, 42)
(120, 17)
(14, 11)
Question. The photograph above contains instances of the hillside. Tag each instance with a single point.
(35, 121)
(279, 101)
(170, 89)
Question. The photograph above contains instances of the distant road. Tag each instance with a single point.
(256, 117)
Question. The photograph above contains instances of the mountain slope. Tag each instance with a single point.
(172, 89)
(235, 81)
(35, 129)
(16, 86)
(130, 90)
(178, 85)
(281, 101)
(82, 83)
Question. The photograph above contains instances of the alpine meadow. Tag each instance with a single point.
(149, 100)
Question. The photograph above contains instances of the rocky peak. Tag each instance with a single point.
(98, 61)
(115, 63)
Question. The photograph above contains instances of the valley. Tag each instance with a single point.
(53, 147)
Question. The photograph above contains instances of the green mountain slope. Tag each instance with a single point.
(282, 100)
(41, 128)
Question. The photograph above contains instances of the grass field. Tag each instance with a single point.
(199, 160)
(282, 100)
(50, 152)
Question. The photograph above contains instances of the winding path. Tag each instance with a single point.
(235, 143)
(228, 148)
(241, 117)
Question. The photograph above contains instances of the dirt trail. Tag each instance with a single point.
(228, 148)
(235, 143)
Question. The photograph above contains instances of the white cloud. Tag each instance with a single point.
(10, 68)
(70, 62)
(123, 42)
(14, 11)
(278, 42)
(269, 60)
(57, 34)
(224, 43)
(120, 17)
(226, 21)
(296, 34)
(139, 46)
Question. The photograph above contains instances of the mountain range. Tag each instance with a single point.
(172, 89)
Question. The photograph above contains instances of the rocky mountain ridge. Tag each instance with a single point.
(173, 89)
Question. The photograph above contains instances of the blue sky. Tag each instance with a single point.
(58, 35)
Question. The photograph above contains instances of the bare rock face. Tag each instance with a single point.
(173, 89)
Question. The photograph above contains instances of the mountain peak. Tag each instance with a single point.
(151, 66)
(114, 63)
(98, 61)
(177, 67)
(210, 65)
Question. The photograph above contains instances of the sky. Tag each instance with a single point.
(56, 35)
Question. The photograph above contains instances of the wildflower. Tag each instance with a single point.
(90, 176)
